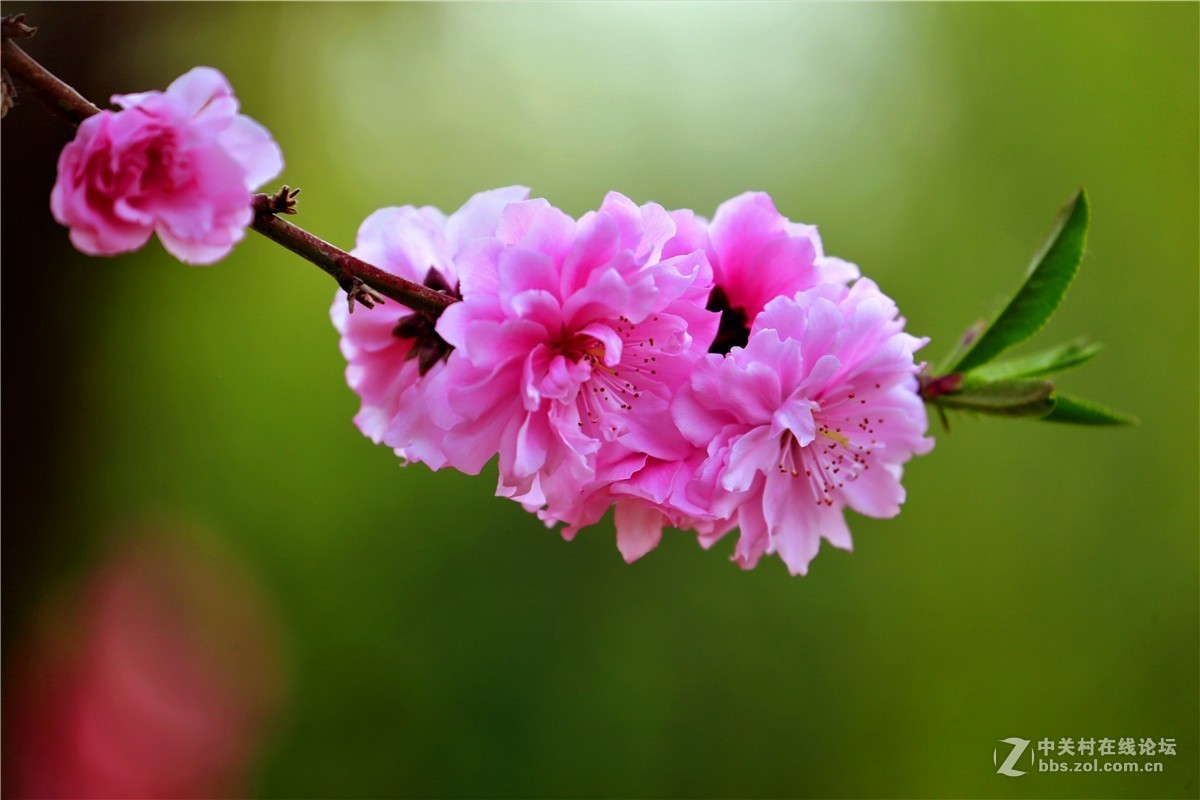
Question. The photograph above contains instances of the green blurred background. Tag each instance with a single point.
(1041, 581)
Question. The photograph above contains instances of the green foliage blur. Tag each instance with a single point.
(1041, 581)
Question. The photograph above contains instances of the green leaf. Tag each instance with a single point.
(1078, 411)
(1050, 274)
(1006, 398)
(1038, 365)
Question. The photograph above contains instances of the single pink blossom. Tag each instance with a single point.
(818, 412)
(180, 163)
(393, 352)
(570, 342)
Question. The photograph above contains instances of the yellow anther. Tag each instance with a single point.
(837, 437)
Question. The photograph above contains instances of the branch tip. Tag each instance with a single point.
(282, 202)
(13, 27)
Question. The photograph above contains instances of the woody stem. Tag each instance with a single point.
(341, 266)
(350, 272)
(63, 101)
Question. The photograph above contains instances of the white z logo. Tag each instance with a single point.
(1018, 749)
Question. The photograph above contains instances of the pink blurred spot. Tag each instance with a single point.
(154, 680)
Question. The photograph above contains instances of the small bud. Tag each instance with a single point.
(939, 386)
(359, 292)
(1004, 398)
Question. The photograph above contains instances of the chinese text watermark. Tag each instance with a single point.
(1014, 756)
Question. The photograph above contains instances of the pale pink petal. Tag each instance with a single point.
(110, 240)
(695, 420)
(835, 270)
(754, 539)
(781, 268)
(201, 91)
(613, 344)
(132, 99)
(644, 230)
(480, 216)
(876, 492)
(795, 416)
(478, 278)
(597, 243)
(752, 454)
(251, 145)
(607, 296)
(639, 529)
(521, 270)
(691, 234)
(198, 252)
(532, 445)
(793, 521)
(517, 218)
(406, 241)
(738, 231)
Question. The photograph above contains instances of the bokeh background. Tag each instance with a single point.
(181, 440)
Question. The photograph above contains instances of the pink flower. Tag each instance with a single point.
(570, 342)
(757, 254)
(180, 163)
(393, 352)
(818, 412)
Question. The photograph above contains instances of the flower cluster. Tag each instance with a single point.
(180, 163)
(703, 375)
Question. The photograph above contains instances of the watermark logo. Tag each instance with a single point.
(1009, 766)
(1085, 754)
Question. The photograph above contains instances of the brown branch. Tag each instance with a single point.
(351, 273)
(363, 283)
(61, 99)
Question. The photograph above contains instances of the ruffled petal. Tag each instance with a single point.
(480, 215)
(639, 529)
(203, 92)
(251, 145)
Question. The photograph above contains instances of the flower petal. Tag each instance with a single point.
(639, 528)
(251, 145)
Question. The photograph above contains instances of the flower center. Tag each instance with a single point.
(581, 347)
(611, 391)
(160, 166)
(831, 460)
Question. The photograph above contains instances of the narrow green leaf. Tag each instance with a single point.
(1006, 398)
(1084, 412)
(1050, 274)
(1038, 365)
